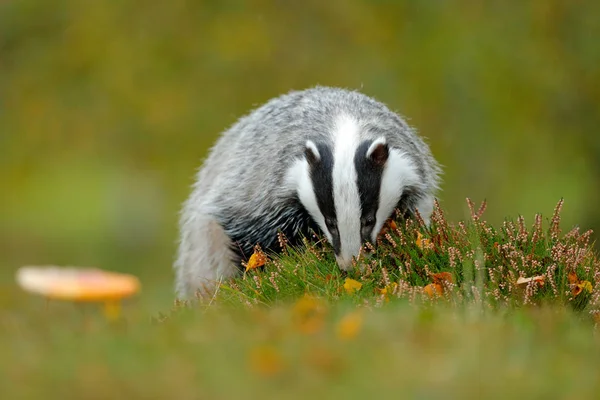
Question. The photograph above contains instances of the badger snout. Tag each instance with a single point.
(344, 263)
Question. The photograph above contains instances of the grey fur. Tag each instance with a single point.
(240, 190)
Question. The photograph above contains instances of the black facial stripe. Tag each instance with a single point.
(369, 184)
(408, 201)
(322, 179)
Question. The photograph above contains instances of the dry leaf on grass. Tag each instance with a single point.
(308, 314)
(433, 289)
(423, 243)
(436, 288)
(441, 277)
(265, 361)
(389, 289)
(540, 279)
(350, 325)
(257, 259)
(578, 286)
(351, 285)
(389, 225)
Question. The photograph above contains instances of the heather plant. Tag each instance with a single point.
(468, 262)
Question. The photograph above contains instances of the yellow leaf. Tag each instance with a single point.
(308, 314)
(265, 361)
(257, 259)
(433, 289)
(388, 290)
(350, 325)
(580, 287)
(422, 242)
(351, 285)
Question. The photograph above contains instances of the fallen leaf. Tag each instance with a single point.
(541, 279)
(265, 361)
(578, 286)
(441, 277)
(387, 226)
(436, 288)
(308, 314)
(587, 285)
(257, 259)
(324, 359)
(352, 285)
(388, 289)
(572, 277)
(433, 289)
(350, 325)
(422, 242)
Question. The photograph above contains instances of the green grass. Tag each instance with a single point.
(292, 330)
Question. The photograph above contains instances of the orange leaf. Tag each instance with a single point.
(433, 289)
(442, 277)
(324, 359)
(257, 259)
(265, 361)
(389, 225)
(579, 287)
(572, 277)
(352, 285)
(350, 325)
(309, 314)
(422, 242)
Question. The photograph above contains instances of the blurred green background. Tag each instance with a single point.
(107, 108)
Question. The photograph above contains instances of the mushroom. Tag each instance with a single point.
(80, 285)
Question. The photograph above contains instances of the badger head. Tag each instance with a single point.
(351, 186)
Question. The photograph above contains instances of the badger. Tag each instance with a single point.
(321, 159)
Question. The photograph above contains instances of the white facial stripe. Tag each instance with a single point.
(345, 190)
(399, 172)
(298, 179)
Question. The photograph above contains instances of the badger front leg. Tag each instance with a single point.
(205, 257)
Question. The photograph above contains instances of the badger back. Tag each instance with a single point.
(322, 158)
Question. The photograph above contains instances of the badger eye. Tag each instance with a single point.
(370, 221)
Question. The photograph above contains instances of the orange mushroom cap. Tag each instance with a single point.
(77, 284)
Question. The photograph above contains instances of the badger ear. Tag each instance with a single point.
(312, 153)
(378, 152)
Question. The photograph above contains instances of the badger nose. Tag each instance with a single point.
(344, 263)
